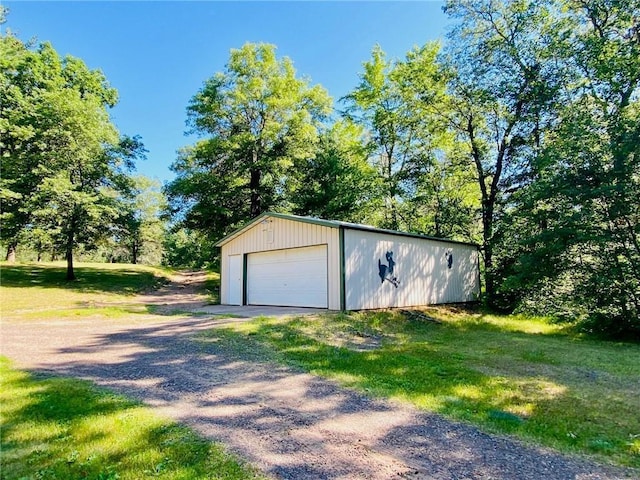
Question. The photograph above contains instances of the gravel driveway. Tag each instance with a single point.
(289, 424)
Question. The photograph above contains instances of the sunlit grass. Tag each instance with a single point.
(59, 428)
(509, 374)
(40, 291)
(212, 287)
(96, 312)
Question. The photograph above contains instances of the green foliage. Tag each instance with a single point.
(63, 163)
(257, 119)
(509, 374)
(576, 227)
(396, 102)
(545, 99)
(141, 230)
(337, 183)
(64, 428)
(188, 248)
(503, 86)
(445, 196)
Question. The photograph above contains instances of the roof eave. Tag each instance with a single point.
(332, 224)
(226, 239)
(259, 218)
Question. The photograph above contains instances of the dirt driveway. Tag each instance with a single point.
(289, 424)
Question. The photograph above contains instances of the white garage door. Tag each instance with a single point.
(294, 277)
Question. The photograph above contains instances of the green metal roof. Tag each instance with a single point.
(332, 224)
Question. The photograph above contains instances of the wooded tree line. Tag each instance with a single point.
(67, 181)
(521, 132)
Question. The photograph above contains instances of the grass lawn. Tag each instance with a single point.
(506, 374)
(57, 428)
(40, 291)
(212, 287)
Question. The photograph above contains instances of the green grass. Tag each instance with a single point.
(40, 291)
(212, 287)
(64, 428)
(58, 428)
(92, 277)
(508, 374)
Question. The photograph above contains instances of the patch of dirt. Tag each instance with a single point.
(289, 424)
(184, 292)
(357, 342)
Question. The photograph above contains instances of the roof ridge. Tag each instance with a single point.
(333, 224)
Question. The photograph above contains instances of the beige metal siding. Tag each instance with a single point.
(276, 234)
(421, 269)
(294, 277)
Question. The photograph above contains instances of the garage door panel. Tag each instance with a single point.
(295, 277)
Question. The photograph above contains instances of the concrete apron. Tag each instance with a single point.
(253, 311)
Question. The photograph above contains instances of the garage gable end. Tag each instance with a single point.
(294, 277)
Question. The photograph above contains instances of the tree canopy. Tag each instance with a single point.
(255, 120)
(546, 98)
(520, 132)
(64, 164)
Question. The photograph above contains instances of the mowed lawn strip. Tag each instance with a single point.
(39, 291)
(507, 374)
(65, 428)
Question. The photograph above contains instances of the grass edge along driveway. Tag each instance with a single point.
(63, 428)
(512, 375)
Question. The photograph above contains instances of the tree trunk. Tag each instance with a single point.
(71, 276)
(134, 253)
(489, 283)
(254, 187)
(488, 197)
(11, 252)
(487, 245)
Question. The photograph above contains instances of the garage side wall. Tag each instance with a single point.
(278, 234)
(383, 270)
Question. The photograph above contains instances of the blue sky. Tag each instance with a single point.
(157, 54)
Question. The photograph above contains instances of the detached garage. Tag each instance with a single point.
(288, 260)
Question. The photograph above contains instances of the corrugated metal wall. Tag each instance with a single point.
(421, 270)
(275, 234)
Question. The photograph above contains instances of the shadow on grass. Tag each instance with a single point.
(544, 388)
(123, 280)
(225, 384)
(212, 289)
(63, 428)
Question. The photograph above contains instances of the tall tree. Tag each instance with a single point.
(442, 193)
(141, 229)
(396, 103)
(581, 217)
(62, 159)
(504, 84)
(255, 119)
(26, 75)
(338, 182)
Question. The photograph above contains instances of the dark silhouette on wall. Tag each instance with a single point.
(386, 271)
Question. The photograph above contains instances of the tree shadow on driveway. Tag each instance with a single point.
(288, 423)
